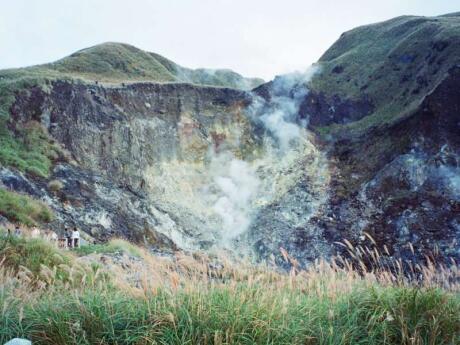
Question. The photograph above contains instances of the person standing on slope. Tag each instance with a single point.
(68, 237)
(75, 237)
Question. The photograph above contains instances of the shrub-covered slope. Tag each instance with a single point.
(378, 73)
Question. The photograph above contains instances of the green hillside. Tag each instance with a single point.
(118, 62)
(393, 65)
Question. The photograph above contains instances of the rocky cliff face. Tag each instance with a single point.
(366, 142)
(401, 180)
(125, 142)
(391, 118)
(176, 164)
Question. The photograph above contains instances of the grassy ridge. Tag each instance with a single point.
(117, 62)
(112, 62)
(187, 302)
(394, 64)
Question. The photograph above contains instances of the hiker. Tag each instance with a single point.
(75, 237)
(17, 231)
(68, 236)
(9, 232)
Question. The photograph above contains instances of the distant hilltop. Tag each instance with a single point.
(116, 62)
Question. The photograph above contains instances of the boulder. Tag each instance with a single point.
(19, 341)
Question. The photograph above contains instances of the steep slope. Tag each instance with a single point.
(384, 71)
(167, 164)
(387, 105)
(52, 120)
(115, 136)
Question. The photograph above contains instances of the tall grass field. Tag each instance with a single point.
(122, 294)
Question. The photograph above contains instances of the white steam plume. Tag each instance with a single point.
(279, 115)
(235, 182)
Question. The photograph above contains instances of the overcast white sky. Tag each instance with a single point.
(260, 38)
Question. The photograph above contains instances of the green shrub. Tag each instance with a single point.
(111, 247)
(30, 150)
(17, 252)
(40, 264)
(408, 315)
(23, 209)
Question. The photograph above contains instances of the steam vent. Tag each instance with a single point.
(120, 142)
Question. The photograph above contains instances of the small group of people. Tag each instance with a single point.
(71, 238)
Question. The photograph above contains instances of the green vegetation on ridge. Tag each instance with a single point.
(30, 150)
(117, 62)
(26, 147)
(112, 247)
(393, 64)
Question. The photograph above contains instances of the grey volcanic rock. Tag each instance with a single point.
(386, 109)
(395, 153)
(153, 162)
(117, 135)
(369, 145)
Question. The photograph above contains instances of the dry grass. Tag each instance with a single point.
(206, 299)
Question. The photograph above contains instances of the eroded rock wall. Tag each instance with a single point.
(179, 165)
